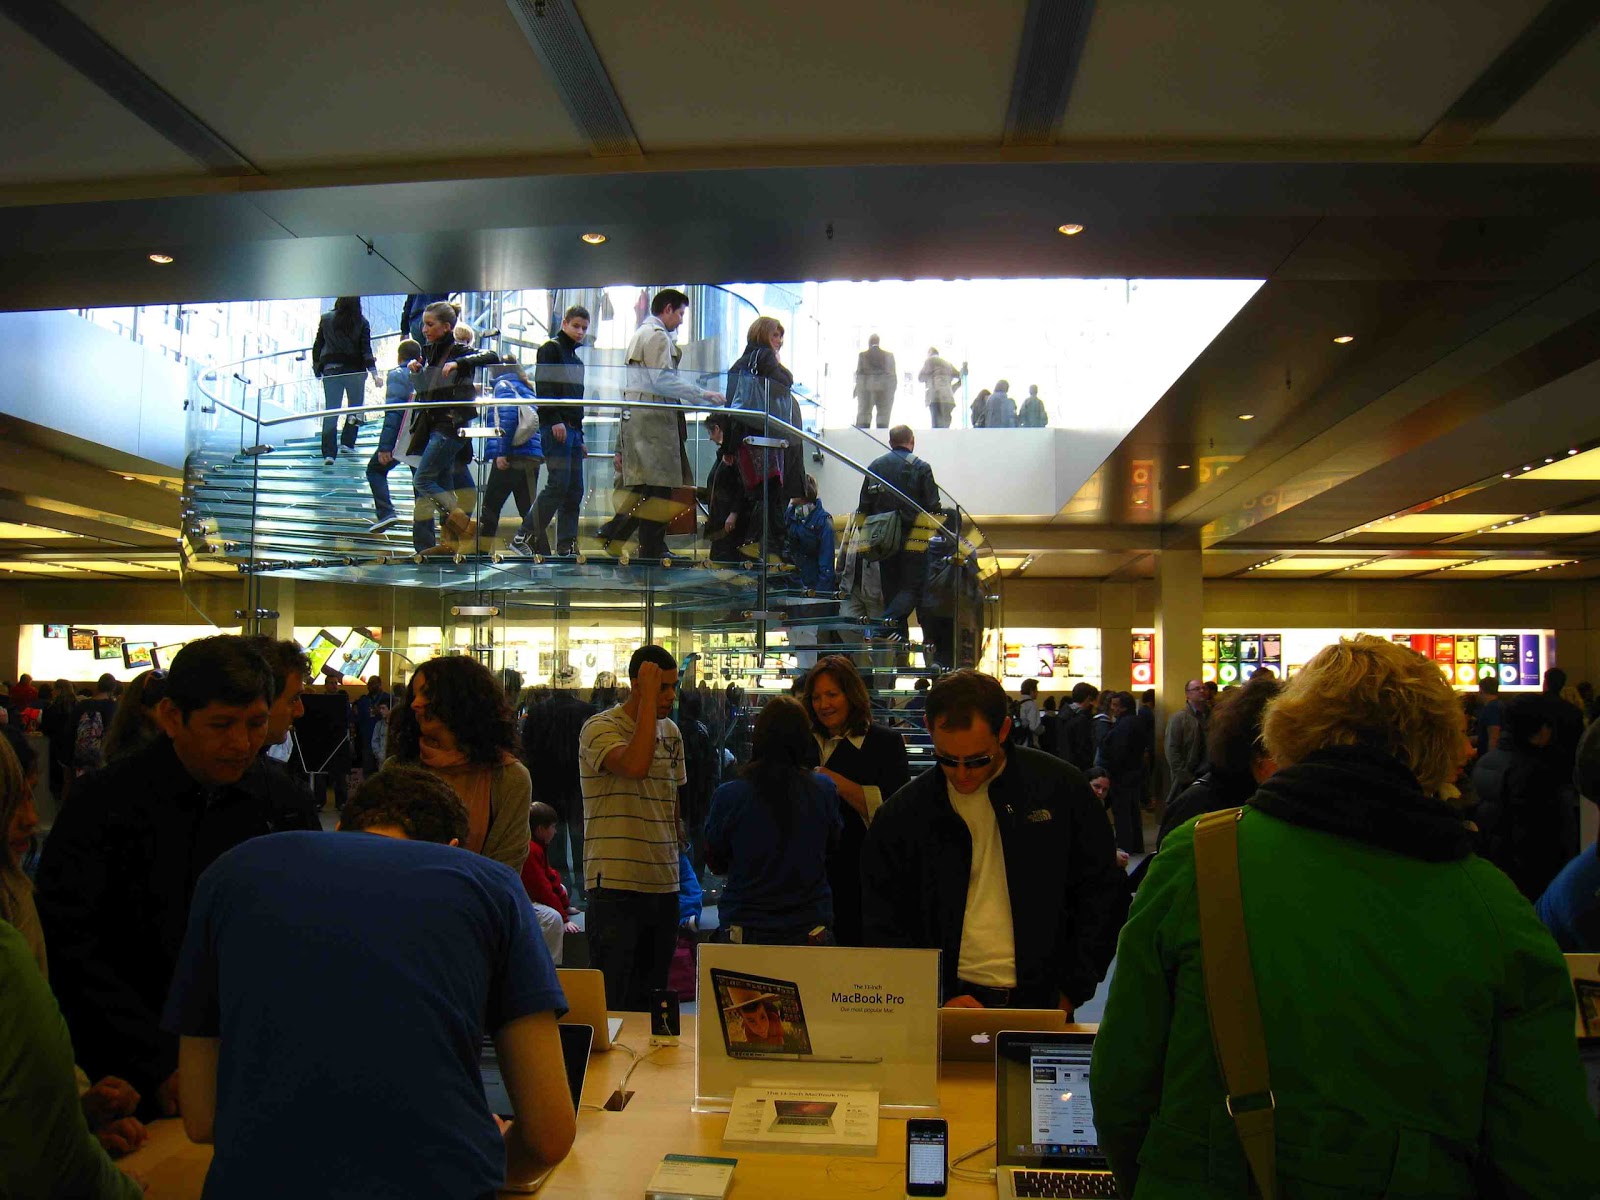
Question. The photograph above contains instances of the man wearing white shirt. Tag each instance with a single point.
(1001, 859)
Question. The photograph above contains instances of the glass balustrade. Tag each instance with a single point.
(664, 518)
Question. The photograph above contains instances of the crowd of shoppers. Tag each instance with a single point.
(200, 925)
(1375, 842)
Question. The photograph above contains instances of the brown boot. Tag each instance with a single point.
(460, 524)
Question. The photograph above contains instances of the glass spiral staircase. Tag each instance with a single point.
(260, 507)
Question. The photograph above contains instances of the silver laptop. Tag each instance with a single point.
(585, 990)
(968, 1034)
(1045, 1139)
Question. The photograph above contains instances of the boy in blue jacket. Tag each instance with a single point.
(515, 465)
(398, 388)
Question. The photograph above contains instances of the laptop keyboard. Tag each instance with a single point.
(1068, 1184)
(819, 1122)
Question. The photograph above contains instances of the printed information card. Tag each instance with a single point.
(802, 1119)
(830, 1017)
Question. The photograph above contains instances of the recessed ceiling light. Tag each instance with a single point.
(1071, 229)
(594, 239)
(1344, 339)
(1183, 466)
(163, 259)
(129, 478)
(1247, 416)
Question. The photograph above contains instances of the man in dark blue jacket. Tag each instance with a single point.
(1001, 858)
(558, 375)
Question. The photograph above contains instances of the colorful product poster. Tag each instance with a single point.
(1528, 662)
(1208, 648)
(1228, 650)
(1444, 649)
(1272, 647)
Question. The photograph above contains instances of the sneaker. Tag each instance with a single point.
(522, 543)
(566, 549)
(383, 523)
(327, 462)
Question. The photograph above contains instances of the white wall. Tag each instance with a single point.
(989, 472)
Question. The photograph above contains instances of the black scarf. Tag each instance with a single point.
(1364, 794)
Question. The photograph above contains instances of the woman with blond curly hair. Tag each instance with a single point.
(1418, 1019)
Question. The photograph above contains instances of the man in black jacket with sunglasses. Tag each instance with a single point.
(1001, 859)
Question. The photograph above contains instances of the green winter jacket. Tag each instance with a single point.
(1418, 1017)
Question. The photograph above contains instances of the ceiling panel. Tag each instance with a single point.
(1235, 70)
(1517, 496)
(298, 84)
(1564, 104)
(1393, 567)
(829, 72)
(63, 127)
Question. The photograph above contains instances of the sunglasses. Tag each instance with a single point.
(976, 763)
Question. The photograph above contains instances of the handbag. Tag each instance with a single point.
(527, 424)
(881, 536)
(1231, 1002)
(683, 519)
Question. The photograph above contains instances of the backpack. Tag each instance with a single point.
(527, 424)
(1020, 735)
(87, 754)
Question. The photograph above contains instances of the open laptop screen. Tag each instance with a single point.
(575, 1042)
(1045, 1110)
(1589, 1050)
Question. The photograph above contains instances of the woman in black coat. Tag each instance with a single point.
(758, 383)
(867, 764)
(724, 496)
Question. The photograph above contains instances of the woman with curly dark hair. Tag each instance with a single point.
(454, 721)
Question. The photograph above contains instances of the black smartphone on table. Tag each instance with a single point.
(927, 1156)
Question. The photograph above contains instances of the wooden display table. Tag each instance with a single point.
(616, 1152)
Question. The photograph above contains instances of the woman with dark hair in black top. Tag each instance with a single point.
(867, 764)
(340, 355)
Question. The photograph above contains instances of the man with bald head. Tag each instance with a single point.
(1186, 738)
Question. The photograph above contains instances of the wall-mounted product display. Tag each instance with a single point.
(1143, 671)
(829, 1018)
(1517, 657)
(83, 654)
(1057, 658)
(1229, 656)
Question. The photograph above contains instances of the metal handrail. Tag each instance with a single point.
(586, 402)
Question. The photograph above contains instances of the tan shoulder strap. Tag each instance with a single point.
(1231, 1000)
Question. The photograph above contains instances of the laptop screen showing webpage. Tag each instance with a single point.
(1045, 1109)
(1589, 1050)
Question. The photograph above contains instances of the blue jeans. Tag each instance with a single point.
(422, 535)
(438, 466)
(562, 496)
(340, 391)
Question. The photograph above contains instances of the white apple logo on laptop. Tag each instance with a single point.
(980, 1039)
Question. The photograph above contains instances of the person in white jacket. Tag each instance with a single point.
(651, 453)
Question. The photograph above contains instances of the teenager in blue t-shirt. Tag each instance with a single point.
(331, 998)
